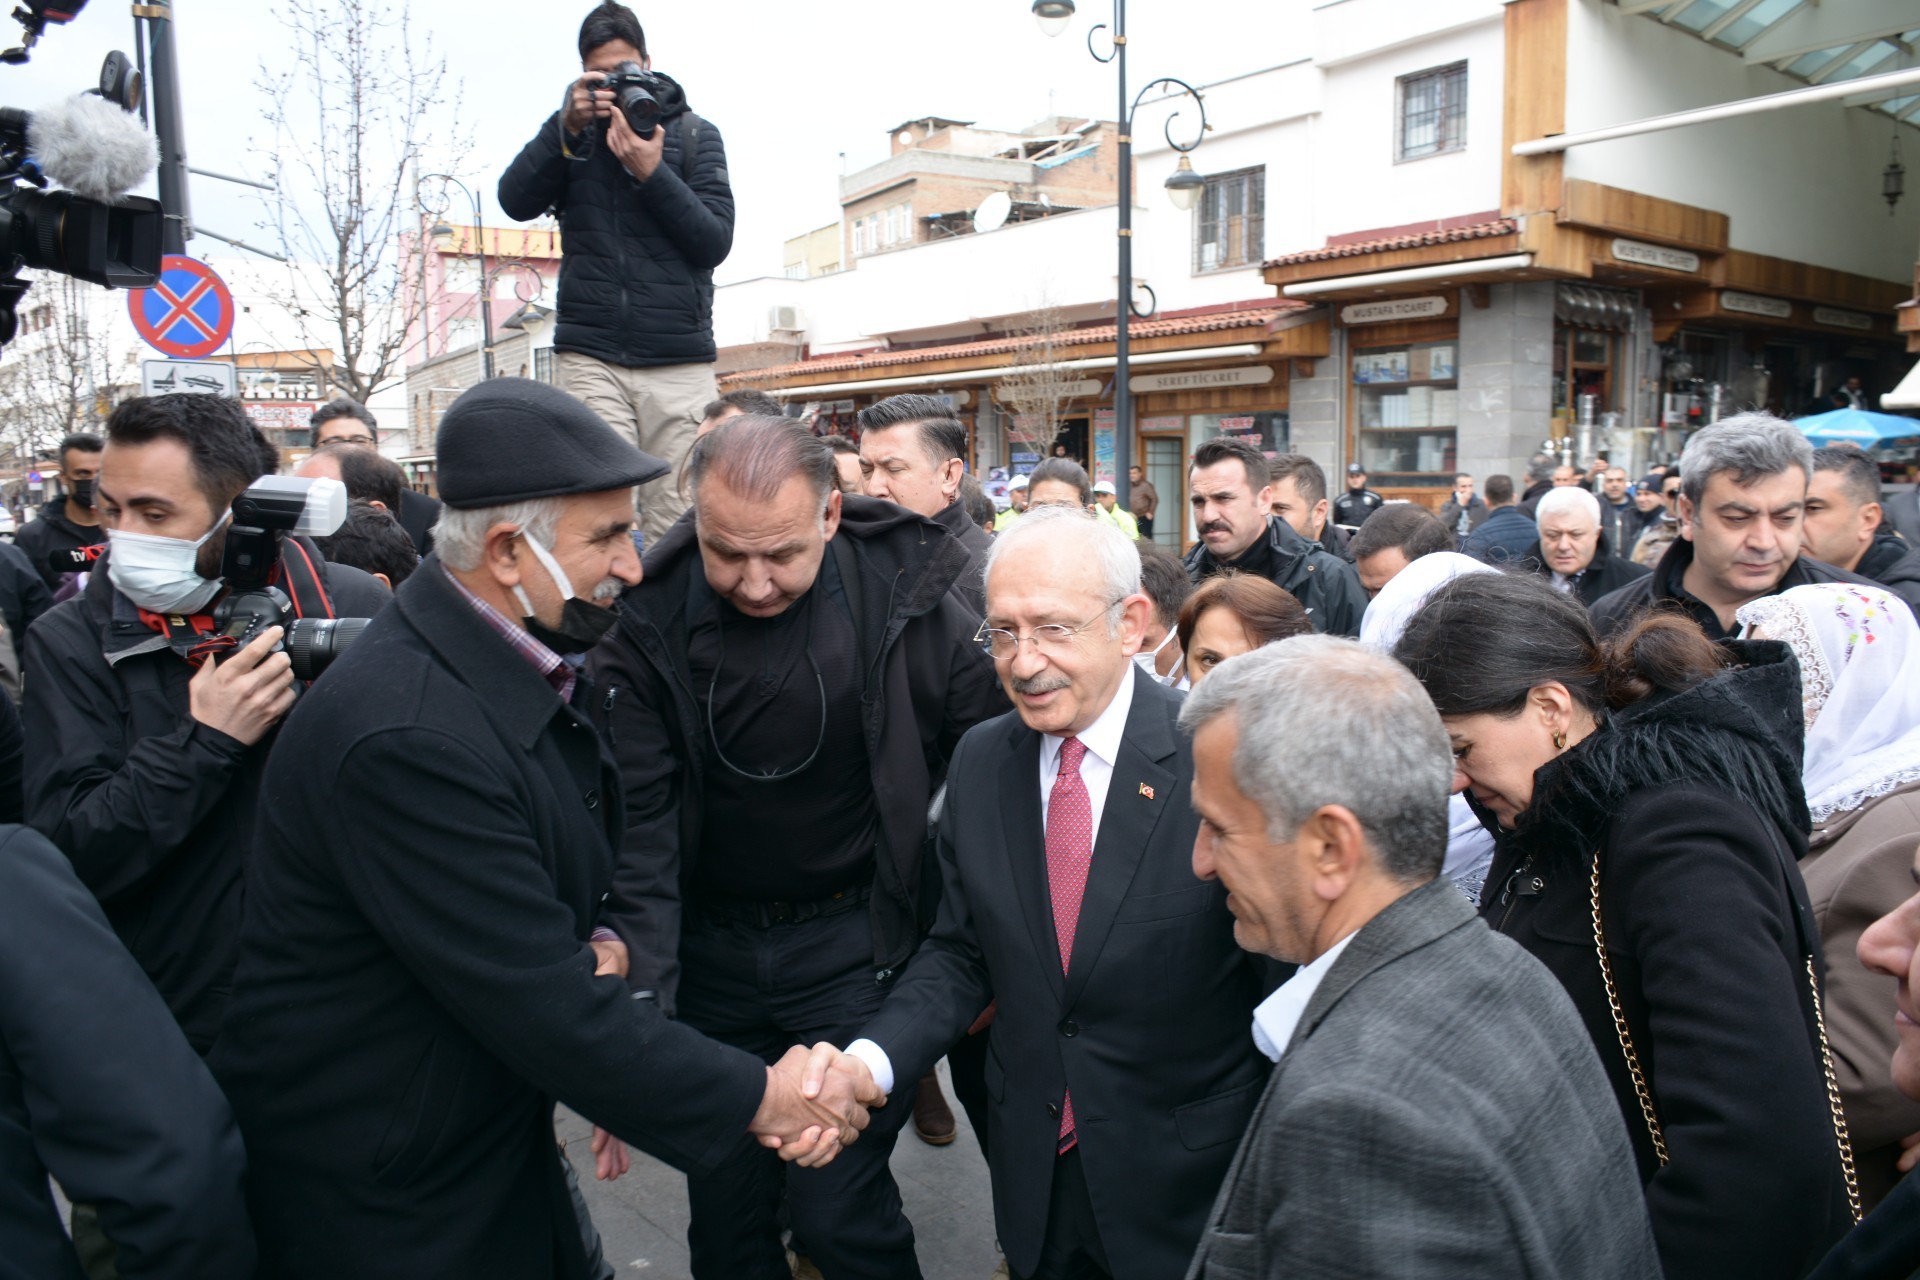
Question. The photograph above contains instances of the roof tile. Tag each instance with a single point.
(1452, 235)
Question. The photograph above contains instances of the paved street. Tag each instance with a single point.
(643, 1217)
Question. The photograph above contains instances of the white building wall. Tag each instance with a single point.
(1801, 183)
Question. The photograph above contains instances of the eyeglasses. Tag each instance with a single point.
(344, 440)
(1049, 637)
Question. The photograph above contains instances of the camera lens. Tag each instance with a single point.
(641, 108)
(313, 643)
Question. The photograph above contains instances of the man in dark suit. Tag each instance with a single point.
(1119, 1070)
(419, 979)
(1437, 1108)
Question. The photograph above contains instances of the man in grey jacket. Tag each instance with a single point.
(1437, 1108)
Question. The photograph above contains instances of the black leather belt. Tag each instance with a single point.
(766, 915)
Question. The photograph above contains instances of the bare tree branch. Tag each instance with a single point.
(1038, 397)
(364, 100)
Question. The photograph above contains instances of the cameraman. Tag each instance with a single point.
(645, 220)
(145, 754)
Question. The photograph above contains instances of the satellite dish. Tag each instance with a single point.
(993, 212)
(905, 138)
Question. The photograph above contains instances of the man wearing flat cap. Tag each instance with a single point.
(418, 983)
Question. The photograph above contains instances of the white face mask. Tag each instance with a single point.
(161, 574)
(1147, 658)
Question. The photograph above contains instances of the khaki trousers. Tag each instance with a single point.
(657, 408)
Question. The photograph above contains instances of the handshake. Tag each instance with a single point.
(816, 1103)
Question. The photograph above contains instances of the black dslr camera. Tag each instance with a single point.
(635, 91)
(270, 509)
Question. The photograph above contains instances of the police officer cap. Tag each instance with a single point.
(514, 440)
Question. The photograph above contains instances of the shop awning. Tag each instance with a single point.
(1240, 350)
(1907, 394)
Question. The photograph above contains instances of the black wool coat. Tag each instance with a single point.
(415, 990)
(1606, 573)
(1694, 805)
(636, 272)
(1666, 587)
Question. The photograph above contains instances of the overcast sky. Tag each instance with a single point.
(790, 83)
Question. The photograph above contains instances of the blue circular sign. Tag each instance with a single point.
(187, 313)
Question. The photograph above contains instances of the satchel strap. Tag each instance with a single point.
(1833, 1097)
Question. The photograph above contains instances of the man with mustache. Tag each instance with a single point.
(782, 694)
(1120, 1070)
(1743, 498)
(1232, 490)
(418, 982)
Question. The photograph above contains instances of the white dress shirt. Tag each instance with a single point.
(1102, 739)
(1278, 1016)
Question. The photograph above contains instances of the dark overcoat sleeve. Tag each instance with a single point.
(122, 1112)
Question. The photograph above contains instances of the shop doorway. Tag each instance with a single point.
(1165, 462)
(1073, 435)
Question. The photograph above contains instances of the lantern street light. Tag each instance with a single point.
(1184, 188)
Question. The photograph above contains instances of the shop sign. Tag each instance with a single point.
(1078, 390)
(1393, 309)
(1839, 319)
(1196, 379)
(1655, 255)
(280, 415)
(1753, 304)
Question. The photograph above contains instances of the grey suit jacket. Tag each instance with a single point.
(1440, 1112)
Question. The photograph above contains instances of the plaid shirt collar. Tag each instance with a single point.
(556, 670)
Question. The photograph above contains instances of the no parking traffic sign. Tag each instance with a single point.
(188, 312)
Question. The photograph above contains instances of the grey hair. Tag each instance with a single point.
(460, 535)
(1112, 551)
(1753, 446)
(1378, 748)
(1570, 498)
(755, 454)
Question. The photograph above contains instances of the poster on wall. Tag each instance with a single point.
(1103, 449)
(1248, 428)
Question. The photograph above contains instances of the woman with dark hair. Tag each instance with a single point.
(1233, 614)
(1646, 799)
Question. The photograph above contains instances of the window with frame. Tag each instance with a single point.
(1231, 229)
(543, 364)
(1433, 112)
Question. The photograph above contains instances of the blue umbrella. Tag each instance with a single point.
(1858, 426)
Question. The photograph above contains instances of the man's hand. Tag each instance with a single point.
(247, 694)
(586, 100)
(609, 1155)
(611, 957)
(815, 1104)
(640, 156)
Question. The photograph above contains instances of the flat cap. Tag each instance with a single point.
(514, 440)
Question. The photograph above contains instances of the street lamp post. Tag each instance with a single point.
(1183, 188)
(486, 284)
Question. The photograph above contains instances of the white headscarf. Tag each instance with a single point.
(1390, 612)
(1469, 844)
(1859, 651)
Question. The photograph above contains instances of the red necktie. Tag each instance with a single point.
(1069, 856)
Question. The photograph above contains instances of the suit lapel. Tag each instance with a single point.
(1026, 847)
(1126, 825)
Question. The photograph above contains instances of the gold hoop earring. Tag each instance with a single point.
(1559, 740)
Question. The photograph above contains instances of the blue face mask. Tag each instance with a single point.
(161, 575)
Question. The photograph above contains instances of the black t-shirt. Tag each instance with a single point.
(786, 833)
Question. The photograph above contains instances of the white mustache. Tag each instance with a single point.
(608, 590)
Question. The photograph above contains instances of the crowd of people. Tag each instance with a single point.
(1570, 942)
(1523, 886)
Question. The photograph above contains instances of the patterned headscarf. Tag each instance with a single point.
(1859, 652)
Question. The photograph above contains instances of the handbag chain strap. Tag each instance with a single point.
(1833, 1096)
(1620, 1026)
(1645, 1095)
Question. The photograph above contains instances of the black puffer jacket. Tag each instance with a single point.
(636, 276)
(1694, 804)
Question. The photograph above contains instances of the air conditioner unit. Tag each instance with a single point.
(785, 320)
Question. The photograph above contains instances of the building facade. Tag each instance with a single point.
(1372, 274)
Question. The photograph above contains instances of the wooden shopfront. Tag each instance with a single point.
(1402, 382)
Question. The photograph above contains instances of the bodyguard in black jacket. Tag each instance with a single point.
(99, 1088)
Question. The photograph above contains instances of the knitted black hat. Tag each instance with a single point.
(514, 439)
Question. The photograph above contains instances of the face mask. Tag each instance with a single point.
(160, 574)
(581, 622)
(83, 493)
(1146, 659)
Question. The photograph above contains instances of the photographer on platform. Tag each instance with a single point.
(639, 184)
(146, 757)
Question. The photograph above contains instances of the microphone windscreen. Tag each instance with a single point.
(91, 147)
